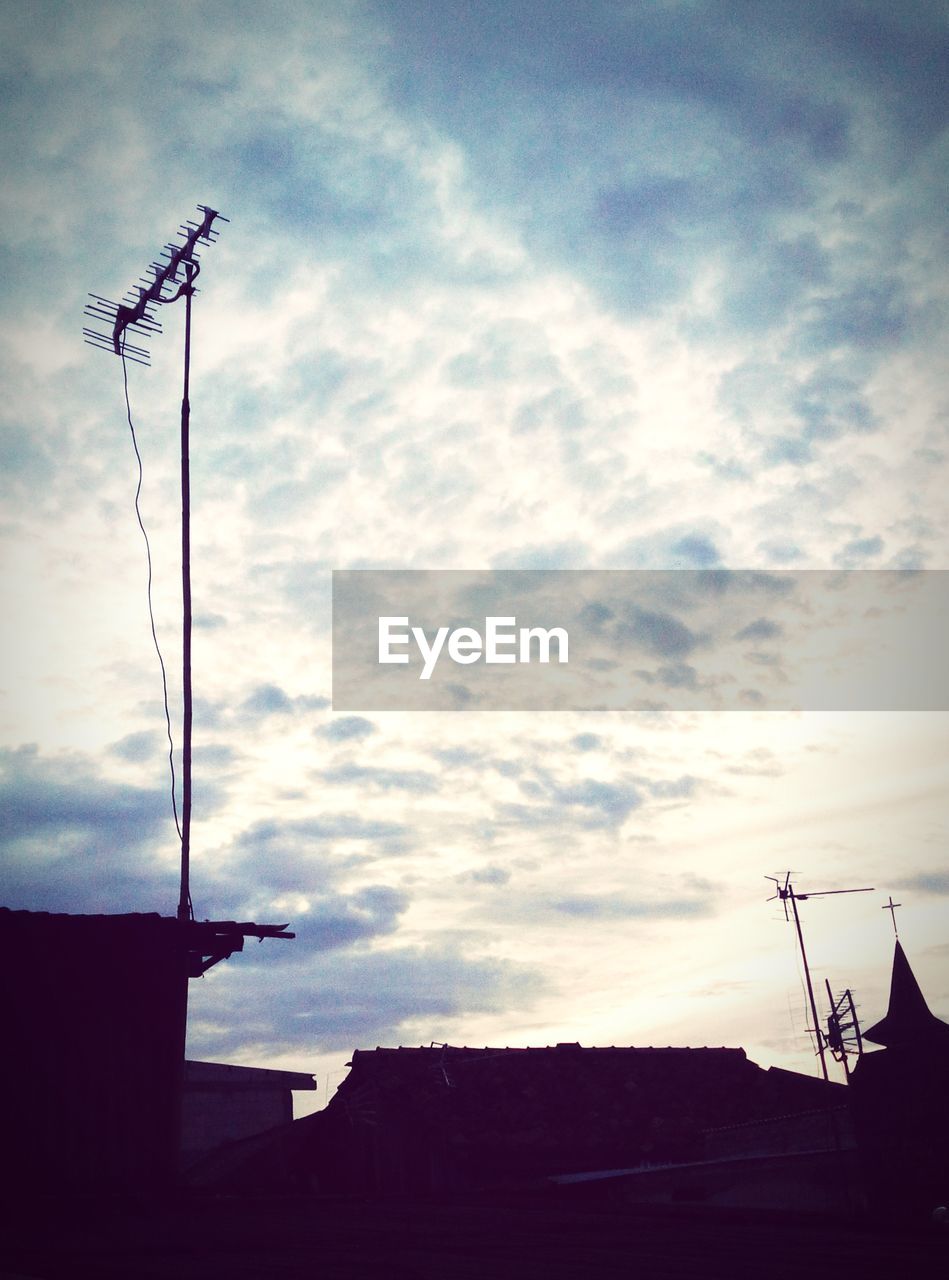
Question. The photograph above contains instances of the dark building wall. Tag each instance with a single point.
(225, 1103)
(93, 1011)
(434, 1121)
(827, 1129)
(411, 1121)
(900, 1103)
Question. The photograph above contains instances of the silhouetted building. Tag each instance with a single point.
(804, 1161)
(900, 1101)
(94, 1010)
(443, 1119)
(224, 1103)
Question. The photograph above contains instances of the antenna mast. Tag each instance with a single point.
(843, 1028)
(785, 894)
(135, 313)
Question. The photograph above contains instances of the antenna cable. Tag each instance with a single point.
(151, 612)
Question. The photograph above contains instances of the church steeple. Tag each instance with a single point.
(909, 1020)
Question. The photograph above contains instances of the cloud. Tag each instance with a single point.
(209, 621)
(458, 757)
(789, 449)
(760, 629)
(349, 998)
(137, 747)
(73, 840)
(64, 800)
(25, 465)
(933, 883)
(214, 755)
(609, 799)
(272, 700)
(675, 675)
(780, 553)
(337, 921)
(272, 843)
(858, 551)
(347, 729)
(303, 869)
(569, 554)
(411, 780)
(370, 912)
(693, 171)
(660, 634)
(869, 315)
(267, 699)
(696, 550)
(589, 803)
(489, 875)
(683, 788)
(760, 762)
(623, 907)
(827, 404)
(672, 547)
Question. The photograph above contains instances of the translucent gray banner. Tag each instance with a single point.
(591, 640)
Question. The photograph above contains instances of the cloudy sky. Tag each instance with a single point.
(518, 285)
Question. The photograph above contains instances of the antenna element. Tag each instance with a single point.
(785, 894)
(135, 312)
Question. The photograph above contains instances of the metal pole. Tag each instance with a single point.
(184, 900)
(810, 989)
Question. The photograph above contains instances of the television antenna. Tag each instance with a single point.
(170, 278)
(843, 1028)
(786, 894)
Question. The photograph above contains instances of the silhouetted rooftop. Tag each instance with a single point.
(440, 1117)
(908, 1020)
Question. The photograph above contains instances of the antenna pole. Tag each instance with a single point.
(785, 894)
(136, 313)
(184, 899)
(810, 987)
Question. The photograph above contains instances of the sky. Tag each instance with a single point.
(512, 285)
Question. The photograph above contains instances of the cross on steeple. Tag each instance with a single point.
(891, 907)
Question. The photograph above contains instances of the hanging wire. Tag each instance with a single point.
(151, 612)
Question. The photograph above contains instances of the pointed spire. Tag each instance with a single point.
(909, 1020)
